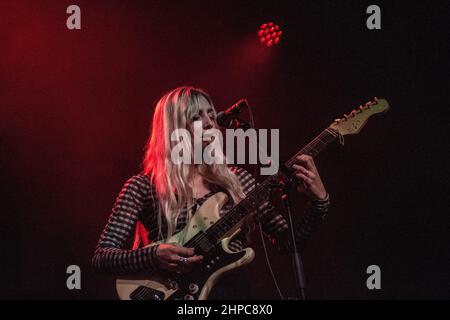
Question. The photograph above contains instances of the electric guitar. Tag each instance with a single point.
(209, 234)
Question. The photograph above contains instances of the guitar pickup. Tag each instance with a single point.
(146, 293)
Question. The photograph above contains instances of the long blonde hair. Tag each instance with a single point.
(172, 181)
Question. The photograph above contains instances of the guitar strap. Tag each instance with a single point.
(140, 236)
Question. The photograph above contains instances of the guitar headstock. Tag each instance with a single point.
(355, 120)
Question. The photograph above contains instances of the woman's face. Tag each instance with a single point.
(205, 115)
(201, 121)
(204, 119)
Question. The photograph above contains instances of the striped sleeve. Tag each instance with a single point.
(110, 254)
(275, 225)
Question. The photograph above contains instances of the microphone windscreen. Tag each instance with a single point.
(223, 119)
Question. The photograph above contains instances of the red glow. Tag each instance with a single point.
(269, 34)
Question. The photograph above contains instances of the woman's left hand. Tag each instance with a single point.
(309, 177)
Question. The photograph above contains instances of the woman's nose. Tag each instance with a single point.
(207, 123)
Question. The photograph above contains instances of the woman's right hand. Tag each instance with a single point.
(175, 258)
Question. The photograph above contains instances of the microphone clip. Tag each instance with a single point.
(237, 123)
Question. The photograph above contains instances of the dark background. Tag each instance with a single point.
(76, 107)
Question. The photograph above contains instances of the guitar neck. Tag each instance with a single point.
(262, 192)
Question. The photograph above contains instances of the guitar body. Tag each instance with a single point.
(197, 284)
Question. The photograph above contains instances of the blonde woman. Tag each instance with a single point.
(160, 200)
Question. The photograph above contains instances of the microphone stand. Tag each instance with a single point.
(297, 263)
(284, 187)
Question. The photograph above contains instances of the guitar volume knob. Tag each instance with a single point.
(193, 288)
(173, 285)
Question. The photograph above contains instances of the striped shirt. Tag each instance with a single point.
(137, 206)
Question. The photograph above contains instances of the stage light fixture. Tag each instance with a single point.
(269, 34)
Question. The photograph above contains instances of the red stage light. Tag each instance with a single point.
(269, 34)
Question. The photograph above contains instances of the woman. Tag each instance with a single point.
(160, 200)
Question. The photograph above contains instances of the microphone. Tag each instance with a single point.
(225, 118)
